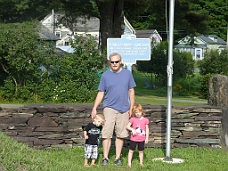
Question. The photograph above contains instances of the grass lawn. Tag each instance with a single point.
(159, 96)
(16, 156)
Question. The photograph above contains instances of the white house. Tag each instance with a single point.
(152, 34)
(201, 44)
(83, 25)
(89, 26)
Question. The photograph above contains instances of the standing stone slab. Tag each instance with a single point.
(218, 91)
(218, 96)
(224, 138)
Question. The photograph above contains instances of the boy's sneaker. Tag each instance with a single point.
(104, 162)
(118, 162)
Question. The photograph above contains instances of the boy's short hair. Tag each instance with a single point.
(100, 117)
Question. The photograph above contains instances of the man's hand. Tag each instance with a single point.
(130, 113)
(93, 114)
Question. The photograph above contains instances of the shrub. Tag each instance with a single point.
(204, 85)
(177, 88)
(39, 73)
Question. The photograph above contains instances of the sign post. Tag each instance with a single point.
(130, 48)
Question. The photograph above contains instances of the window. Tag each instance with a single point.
(67, 43)
(198, 54)
(58, 34)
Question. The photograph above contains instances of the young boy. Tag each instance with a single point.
(91, 133)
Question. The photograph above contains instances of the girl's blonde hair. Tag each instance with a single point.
(138, 107)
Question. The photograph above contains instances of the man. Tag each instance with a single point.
(117, 88)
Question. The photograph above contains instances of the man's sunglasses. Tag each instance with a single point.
(114, 62)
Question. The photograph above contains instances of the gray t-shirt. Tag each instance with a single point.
(116, 86)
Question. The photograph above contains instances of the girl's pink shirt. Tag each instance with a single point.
(140, 126)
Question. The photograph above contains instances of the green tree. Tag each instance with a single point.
(33, 70)
(204, 85)
(19, 54)
(188, 20)
(12, 11)
(157, 64)
(183, 65)
(110, 12)
(25, 60)
(74, 77)
(192, 17)
(218, 23)
(214, 62)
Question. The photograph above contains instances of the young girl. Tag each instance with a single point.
(91, 133)
(138, 125)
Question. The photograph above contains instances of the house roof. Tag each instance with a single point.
(67, 49)
(210, 39)
(92, 24)
(128, 27)
(190, 46)
(144, 33)
(45, 34)
(84, 24)
(206, 39)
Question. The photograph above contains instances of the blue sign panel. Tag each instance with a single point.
(130, 48)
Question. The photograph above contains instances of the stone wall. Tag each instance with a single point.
(60, 126)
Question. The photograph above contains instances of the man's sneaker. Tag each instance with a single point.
(118, 162)
(104, 162)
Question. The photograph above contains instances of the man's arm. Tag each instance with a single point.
(129, 127)
(98, 100)
(131, 92)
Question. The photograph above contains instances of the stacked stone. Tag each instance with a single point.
(60, 126)
(46, 126)
(190, 126)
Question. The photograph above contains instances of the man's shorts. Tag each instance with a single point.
(91, 151)
(117, 120)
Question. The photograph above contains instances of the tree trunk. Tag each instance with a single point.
(16, 85)
(111, 20)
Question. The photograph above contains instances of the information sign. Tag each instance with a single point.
(130, 48)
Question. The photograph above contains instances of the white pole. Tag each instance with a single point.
(169, 83)
(168, 157)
